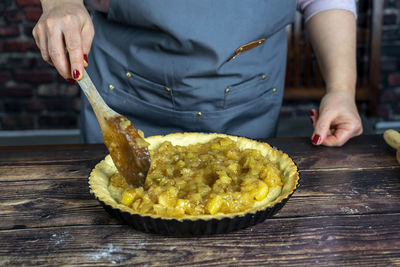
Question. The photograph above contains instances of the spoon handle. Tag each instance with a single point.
(101, 109)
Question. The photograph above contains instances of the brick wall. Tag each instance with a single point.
(389, 108)
(34, 96)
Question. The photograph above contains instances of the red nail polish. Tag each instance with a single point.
(76, 74)
(71, 81)
(311, 112)
(85, 58)
(316, 139)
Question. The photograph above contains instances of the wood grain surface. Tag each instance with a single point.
(346, 212)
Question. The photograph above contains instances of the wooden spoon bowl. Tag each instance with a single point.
(127, 148)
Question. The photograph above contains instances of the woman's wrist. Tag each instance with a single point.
(49, 4)
(341, 88)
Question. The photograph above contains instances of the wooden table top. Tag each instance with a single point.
(345, 212)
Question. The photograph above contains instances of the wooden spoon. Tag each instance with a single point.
(127, 148)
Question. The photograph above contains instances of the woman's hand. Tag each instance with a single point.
(337, 120)
(64, 35)
(333, 37)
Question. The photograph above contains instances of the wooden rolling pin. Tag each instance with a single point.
(392, 138)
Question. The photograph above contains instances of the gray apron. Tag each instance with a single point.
(170, 66)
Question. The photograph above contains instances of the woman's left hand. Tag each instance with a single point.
(337, 119)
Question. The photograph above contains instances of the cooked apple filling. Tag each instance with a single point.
(209, 178)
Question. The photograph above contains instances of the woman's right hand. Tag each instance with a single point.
(64, 35)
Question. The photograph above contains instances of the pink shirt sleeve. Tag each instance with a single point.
(311, 7)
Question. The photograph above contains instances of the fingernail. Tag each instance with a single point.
(71, 81)
(316, 139)
(312, 122)
(85, 58)
(311, 112)
(76, 74)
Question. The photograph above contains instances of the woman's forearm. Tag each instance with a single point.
(333, 36)
(49, 4)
